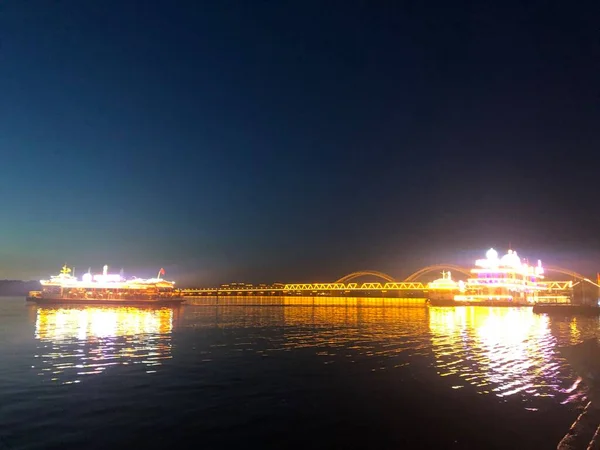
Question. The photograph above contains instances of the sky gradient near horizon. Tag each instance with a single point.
(296, 141)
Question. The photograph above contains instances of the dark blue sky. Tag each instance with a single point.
(294, 141)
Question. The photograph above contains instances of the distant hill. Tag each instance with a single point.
(17, 288)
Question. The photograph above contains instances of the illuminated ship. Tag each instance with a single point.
(443, 290)
(105, 288)
(508, 280)
(495, 281)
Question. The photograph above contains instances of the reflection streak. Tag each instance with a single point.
(74, 342)
(498, 350)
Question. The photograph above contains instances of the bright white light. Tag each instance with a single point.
(511, 259)
(107, 278)
(491, 254)
(105, 281)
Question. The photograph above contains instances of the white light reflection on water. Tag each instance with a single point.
(501, 351)
(78, 342)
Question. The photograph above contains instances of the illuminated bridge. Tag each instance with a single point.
(388, 285)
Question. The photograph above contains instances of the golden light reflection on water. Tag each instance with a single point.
(372, 330)
(502, 351)
(497, 351)
(78, 342)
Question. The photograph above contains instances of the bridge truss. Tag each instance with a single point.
(344, 284)
(549, 286)
(401, 286)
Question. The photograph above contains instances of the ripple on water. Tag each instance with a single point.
(503, 352)
(77, 342)
(498, 351)
(234, 367)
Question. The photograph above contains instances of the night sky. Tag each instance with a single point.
(266, 141)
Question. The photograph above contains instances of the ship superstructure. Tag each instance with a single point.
(445, 288)
(504, 279)
(104, 288)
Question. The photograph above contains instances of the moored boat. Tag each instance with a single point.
(503, 281)
(441, 292)
(105, 289)
(495, 281)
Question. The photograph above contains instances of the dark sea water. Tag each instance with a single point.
(285, 373)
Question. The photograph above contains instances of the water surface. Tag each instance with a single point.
(285, 373)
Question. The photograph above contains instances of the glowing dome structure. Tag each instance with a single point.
(491, 254)
(446, 282)
(445, 288)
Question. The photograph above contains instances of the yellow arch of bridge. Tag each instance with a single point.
(364, 273)
(453, 267)
(463, 270)
(568, 272)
